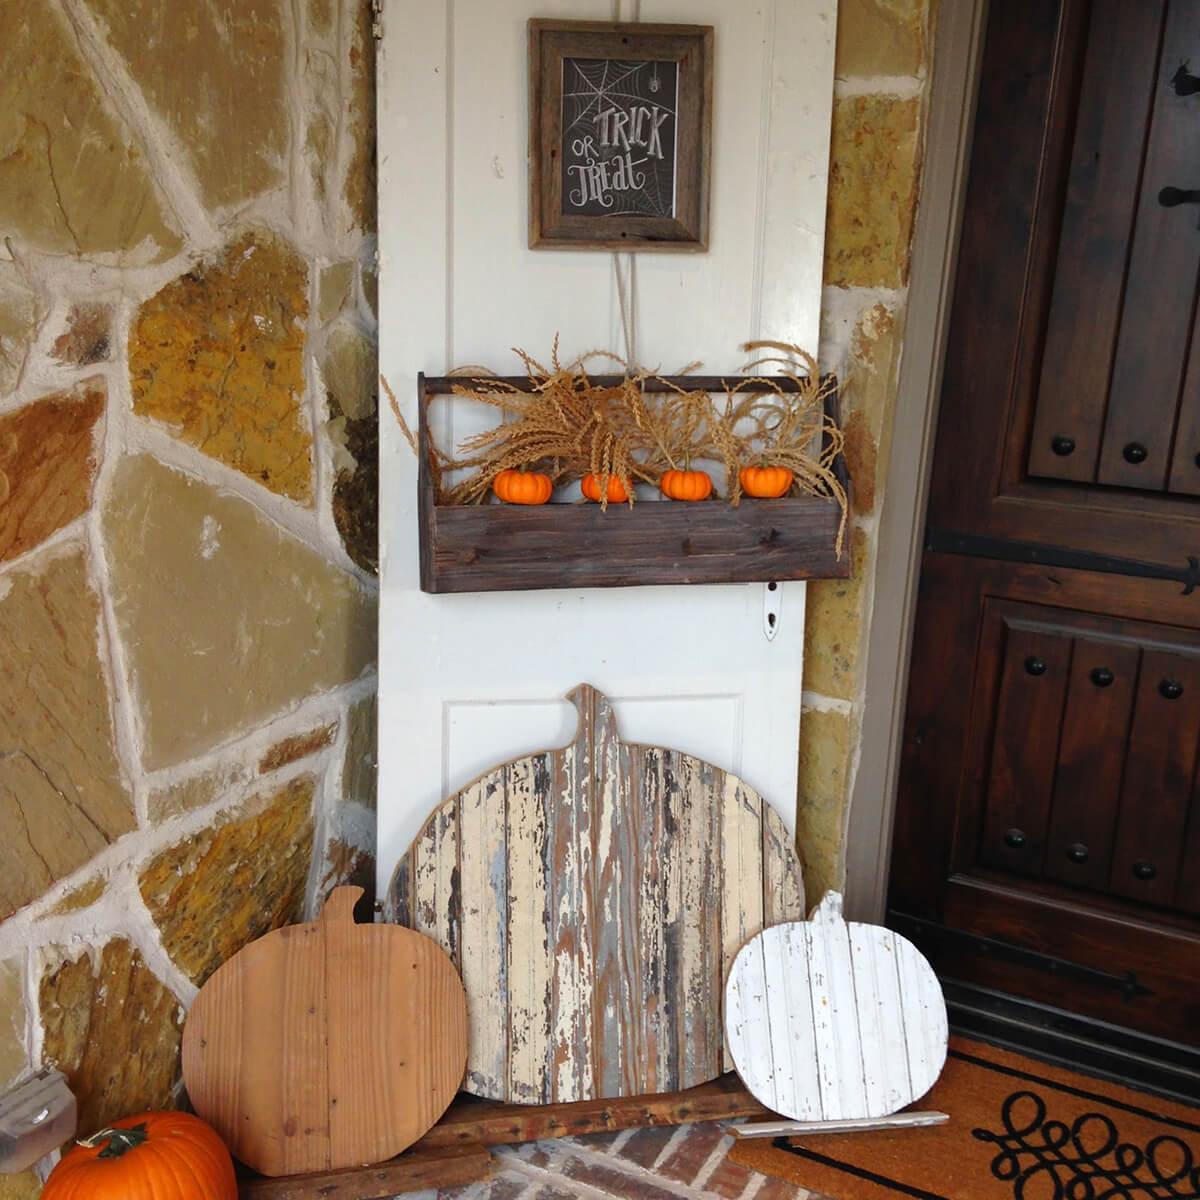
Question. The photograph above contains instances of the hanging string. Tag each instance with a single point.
(627, 283)
(627, 300)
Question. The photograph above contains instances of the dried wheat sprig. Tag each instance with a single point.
(395, 406)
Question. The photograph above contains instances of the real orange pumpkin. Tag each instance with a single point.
(765, 481)
(522, 487)
(589, 485)
(154, 1156)
(686, 485)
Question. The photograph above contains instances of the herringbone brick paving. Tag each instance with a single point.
(682, 1163)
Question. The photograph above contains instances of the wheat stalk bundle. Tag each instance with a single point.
(568, 426)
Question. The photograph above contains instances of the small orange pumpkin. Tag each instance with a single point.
(686, 485)
(589, 485)
(173, 1155)
(522, 487)
(765, 480)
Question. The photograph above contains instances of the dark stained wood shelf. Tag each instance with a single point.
(505, 547)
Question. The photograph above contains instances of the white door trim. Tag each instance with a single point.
(957, 49)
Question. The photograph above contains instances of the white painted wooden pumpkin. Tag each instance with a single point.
(828, 1020)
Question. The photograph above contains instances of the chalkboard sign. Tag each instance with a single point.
(619, 124)
(620, 135)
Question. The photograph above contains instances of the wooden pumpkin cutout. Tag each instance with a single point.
(326, 1045)
(832, 1021)
(593, 898)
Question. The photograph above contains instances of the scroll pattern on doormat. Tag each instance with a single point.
(1086, 1160)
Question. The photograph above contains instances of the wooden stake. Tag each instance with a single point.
(905, 1120)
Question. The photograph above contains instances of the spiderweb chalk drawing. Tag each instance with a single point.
(619, 141)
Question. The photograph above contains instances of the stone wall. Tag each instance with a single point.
(187, 521)
(880, 96)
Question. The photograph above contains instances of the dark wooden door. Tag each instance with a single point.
(1048, 830)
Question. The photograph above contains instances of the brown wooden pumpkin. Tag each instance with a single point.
(589, 485)
(686, 485)
(154, 1156)
(328, 1044)
(522, 487)
(765, 481)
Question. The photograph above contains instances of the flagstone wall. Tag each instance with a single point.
(187, 526)
(187, 493)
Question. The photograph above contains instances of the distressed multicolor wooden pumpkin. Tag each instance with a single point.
(153, 1156)
(593, 898)
(328, 1044)
(828, 1020)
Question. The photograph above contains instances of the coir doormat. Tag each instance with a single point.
(1018, 1130)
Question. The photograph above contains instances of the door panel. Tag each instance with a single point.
(1185, 465)
(468, 679)
(1157, 790)
(1147, 972)
(1087, 776)
(981, 623)
(1160, 289)
(1024, 212)
(1024, 748)
(1102, 190)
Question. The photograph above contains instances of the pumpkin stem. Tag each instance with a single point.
(120, 1141)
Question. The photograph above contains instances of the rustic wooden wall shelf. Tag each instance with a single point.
(504, 547)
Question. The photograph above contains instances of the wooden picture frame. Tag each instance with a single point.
(620, 135)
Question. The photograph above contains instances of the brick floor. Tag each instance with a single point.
(682, 1163)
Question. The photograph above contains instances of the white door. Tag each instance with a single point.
(471, 680)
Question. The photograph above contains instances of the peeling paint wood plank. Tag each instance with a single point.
(671, 969)
(824, 1034)
(425, 877)
(566, 804)
(702, 923)
(483, 960)
(789, 1073)
(397, 907)
(790, 1048)
(927, 1032)
(629, 876)
(885, 1067)
(617, 970)
(783, 891)
(447, 870)
(845, 1017)
(528, 934)
(746, 1019)
(742, 869)
(652, 902)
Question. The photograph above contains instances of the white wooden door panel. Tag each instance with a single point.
(470, 680)
(478, 734)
